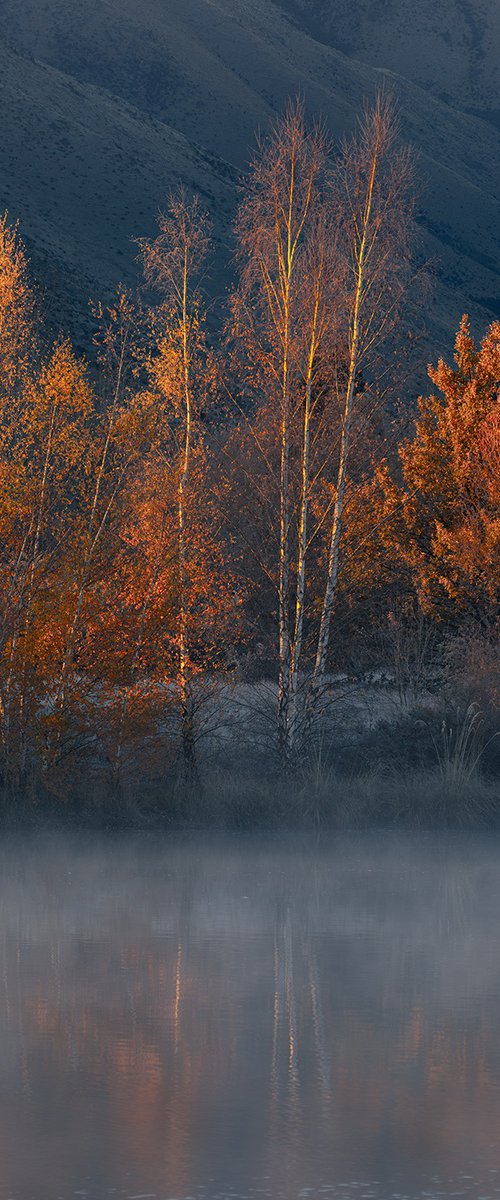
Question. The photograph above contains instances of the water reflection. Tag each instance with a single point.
(222, 1018)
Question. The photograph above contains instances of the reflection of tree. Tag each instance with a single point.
(184, 1018)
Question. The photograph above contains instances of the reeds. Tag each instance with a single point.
(459, 750)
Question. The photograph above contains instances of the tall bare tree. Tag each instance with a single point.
(172, 263)
(372, 193)
(280, 313)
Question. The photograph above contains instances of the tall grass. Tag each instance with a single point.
(314, 798)
(319, 798)
(459, 749)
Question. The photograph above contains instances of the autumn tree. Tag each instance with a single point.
(181, 377)
(118, 435)
(446, 526)
(44, 461)
(66, 465)
(113, 579)
(18, 315)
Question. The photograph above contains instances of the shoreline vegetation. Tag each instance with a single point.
(246, 579)
(433, 766)
(380, 800)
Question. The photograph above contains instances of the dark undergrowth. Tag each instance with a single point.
(434, 767)
(314, 797)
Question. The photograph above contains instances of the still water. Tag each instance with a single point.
(224, 1018)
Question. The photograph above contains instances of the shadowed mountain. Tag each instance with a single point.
(85, 174)
(125, 98)
(451, 48)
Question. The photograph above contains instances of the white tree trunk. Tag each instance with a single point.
(360, 245)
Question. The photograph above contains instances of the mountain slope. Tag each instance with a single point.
(451, 48)
(131, 96)
(85, 175)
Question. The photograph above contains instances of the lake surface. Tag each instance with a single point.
(218, 1018)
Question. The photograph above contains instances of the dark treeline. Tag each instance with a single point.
(194, 527)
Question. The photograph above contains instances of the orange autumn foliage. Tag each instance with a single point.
(147, 535)
(445, 522)
(89, 588)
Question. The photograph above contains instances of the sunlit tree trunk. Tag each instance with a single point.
(187, 730)
(274, 228)
(171, 262)
(333, 557)
(374, 193)
(316, 332)
(284, 544)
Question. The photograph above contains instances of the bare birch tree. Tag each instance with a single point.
(372, 194)
(282, 310)
(324, 247)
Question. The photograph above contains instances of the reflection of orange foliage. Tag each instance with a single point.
(164, 1059)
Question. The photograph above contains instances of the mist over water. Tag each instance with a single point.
(244, 1017)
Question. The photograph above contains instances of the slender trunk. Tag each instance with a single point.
(284, 574)
(135, 660)
(73, 629)
(296, 649)
(284, 549)
(319, 672)
(92, 543)
(31, 587)
(7, 706)
(298, 634)
(187, 728)
(7, 691)
(333, 557)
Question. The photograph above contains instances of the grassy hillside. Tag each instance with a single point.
(85, 174)
(451, 48)
(123, 98)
